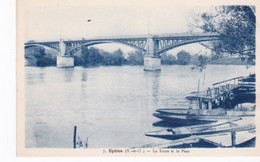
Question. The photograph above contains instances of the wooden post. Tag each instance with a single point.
(209, 105)
(87, 142)
(233, 139)
(200, 103)
(198, 95)
(74, 137)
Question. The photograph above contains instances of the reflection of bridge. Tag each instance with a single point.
(152, 46)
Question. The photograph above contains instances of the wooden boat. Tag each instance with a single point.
(200, 116)
(217, 128)
(173, 111)
(190, 111)
(243, 139)
(180, 119)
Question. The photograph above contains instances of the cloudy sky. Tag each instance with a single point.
(52, 22)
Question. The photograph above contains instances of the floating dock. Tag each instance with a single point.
(226, 92)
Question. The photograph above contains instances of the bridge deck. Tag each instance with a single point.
(135, 37)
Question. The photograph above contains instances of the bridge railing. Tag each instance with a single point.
(128, 37)
(235, 80)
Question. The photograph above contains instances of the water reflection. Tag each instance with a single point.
(83, 91)
(35, 78)
(153, 81)
(68, 74)
(83, 76)
(83, 86)
(41, 131)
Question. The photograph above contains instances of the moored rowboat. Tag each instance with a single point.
(180, 119)
(173, 111)
(219, 127)
(198, 116)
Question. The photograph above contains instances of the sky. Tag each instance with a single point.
(45, 23)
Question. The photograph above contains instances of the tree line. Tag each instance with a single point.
(94, 57)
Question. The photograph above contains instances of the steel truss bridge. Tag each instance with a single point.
(152, 45)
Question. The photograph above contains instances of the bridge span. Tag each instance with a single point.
(152, 46)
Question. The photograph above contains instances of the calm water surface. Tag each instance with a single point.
(112, 106)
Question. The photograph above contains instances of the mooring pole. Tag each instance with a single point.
(233, 139)
(198, 99)
(74, 137)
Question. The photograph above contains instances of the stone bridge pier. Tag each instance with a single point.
(64, 61)
(152, 62)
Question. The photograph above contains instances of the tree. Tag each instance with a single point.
(183, 58)
(235, 26)
(200, 62)
(37, 52)
(90, 56)
(46, 61)
(94, 56)
(194, 59)
(135, 58)
(168, 59)
(115, 58)
(118, 57)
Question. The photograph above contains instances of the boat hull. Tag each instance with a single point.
(201, 117)
(181, 119)
(173, 111)
(174, 134)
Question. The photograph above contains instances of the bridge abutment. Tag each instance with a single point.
(65, 62)
(152, 64)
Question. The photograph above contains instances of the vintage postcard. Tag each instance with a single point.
(137, 78)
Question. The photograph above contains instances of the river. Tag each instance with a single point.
(110, 105)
